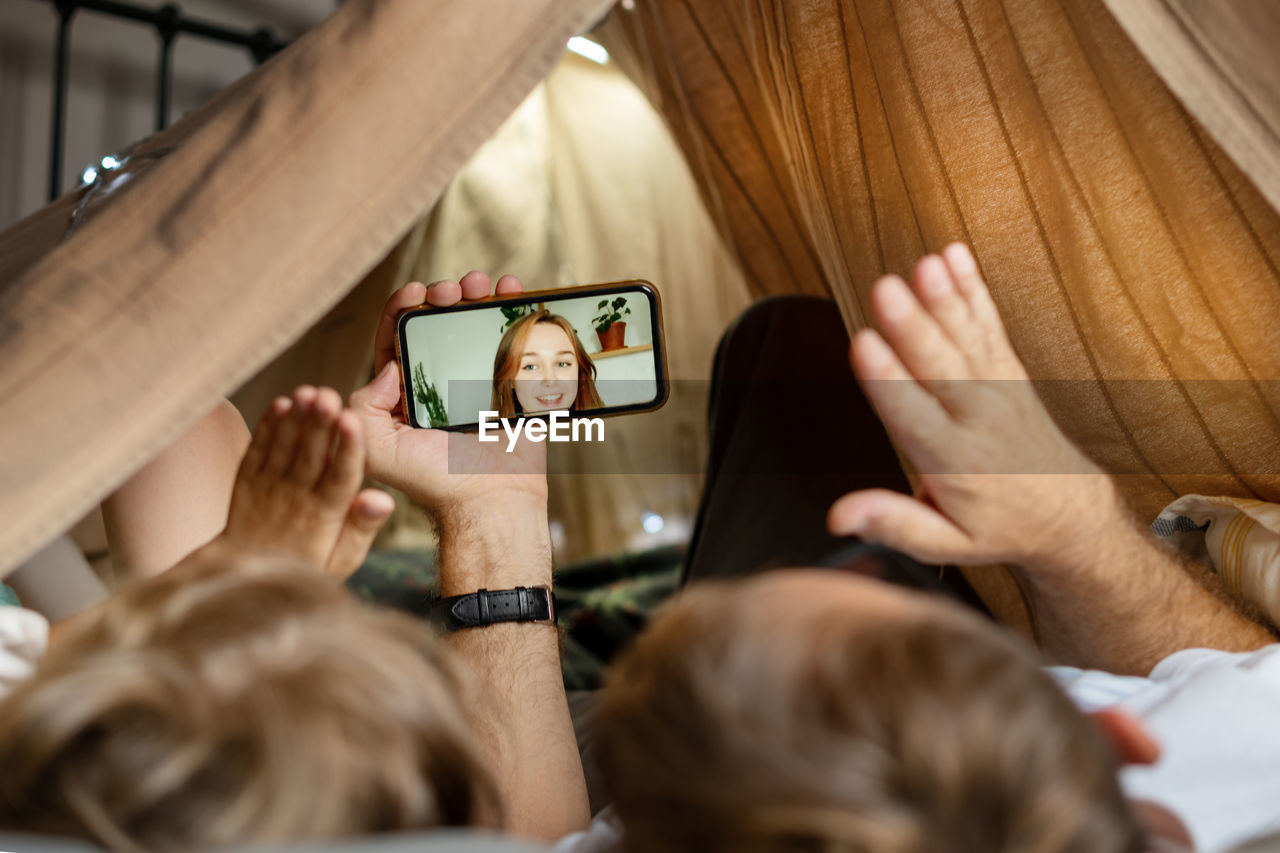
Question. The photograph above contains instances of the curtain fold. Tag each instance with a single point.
(1133, 261)
(1220, 59)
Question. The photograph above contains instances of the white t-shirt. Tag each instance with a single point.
(1216, 716)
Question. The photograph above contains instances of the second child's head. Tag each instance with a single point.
(231, 704)
(541, 366)
(818, 711)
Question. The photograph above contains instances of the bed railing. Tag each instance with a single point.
(169, 23)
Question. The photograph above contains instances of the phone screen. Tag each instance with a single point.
(587, 351)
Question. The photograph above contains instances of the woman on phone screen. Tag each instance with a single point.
(541, 366)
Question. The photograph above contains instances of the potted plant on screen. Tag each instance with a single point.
(610, 327)
(429, 397)
(512, 313)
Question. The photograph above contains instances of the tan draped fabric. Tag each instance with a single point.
(833, 140)
(337, 350)
(838, 140)
(287, 189)
(1219, 57)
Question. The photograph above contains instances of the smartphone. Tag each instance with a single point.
(588, 351)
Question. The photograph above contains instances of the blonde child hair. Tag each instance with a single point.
(227, 704)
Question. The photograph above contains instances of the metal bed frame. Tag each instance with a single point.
(169, 22)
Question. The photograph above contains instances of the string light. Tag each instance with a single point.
(652, 522)
(591, 50)
(109, 163)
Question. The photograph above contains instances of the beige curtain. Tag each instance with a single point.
(839, 140)
(1133, 261)
(1219, 57)
(338, 350)
(282, 194)
(831, 141)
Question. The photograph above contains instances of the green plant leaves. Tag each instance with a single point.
(512, 313)
(426, 394)
(610, 314)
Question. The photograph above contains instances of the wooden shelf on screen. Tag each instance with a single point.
(596, 356)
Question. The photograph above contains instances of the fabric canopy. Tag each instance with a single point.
(1126, 240)
(1134, 262)
(282, 193)
(1220, 59)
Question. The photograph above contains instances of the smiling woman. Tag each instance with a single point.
(541, 366)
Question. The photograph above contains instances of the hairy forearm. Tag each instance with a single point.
(1116, 600)
(524, 719)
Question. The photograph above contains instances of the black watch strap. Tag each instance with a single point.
(489, 607)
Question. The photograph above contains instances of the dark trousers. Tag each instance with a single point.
(790, 432)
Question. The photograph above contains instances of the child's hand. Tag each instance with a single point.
(298, 493)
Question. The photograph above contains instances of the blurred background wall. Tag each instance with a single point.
(111, 99)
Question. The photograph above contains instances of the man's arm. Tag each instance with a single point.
(1000, 483)
(526, 728)
(1123, 602)
(491, 510)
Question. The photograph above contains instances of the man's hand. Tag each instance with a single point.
(999, 482)
(442, 471)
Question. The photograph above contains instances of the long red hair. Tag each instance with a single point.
(506, 365)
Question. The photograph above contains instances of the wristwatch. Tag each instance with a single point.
(489, 607)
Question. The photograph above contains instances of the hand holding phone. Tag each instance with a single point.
(433, 468)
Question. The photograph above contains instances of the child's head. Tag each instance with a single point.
(541, 366)
(223, 704)
(804, 710)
